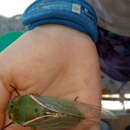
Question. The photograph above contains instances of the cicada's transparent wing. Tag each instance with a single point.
(67, 113)
(68, 107)
(58, 121)
(91, 113)
(94, 113)
(58, 105)
(107, 114)
(61, 113)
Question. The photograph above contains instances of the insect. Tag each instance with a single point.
(49, 113)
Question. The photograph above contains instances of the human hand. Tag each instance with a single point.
(49, 62)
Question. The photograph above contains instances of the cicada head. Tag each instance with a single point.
(22, 109)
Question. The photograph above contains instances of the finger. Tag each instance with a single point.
(4, 98)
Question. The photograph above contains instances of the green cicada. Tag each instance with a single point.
(49, 113)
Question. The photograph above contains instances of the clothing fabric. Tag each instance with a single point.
(77, 14)
(113, 15)
(105, 126)
(114, 41)
(114, 54)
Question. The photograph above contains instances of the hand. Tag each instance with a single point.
(49, 61)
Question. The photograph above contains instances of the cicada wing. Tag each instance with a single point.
(89, 112)
(85, 112)
(58, 105)
(55, 122)
(94, 113)
(107, 114)
(69, 107)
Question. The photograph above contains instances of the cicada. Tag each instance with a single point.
(49, 113)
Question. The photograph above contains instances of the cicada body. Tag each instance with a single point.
(51, 113)
(44, 112)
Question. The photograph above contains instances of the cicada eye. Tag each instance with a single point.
(12, 106)
(36, 110)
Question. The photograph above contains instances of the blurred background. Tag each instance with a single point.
(116, 95)
(10, 12)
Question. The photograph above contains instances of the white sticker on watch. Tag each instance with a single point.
(76, 8)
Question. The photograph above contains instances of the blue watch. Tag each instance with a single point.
(77, 14)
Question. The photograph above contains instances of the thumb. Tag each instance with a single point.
(4, 98)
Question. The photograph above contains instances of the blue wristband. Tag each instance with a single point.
(77, 14)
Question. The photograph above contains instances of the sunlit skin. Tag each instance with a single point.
(51, 60)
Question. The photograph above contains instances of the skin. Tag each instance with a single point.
(51, 60)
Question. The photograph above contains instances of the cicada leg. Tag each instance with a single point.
(76, 98)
